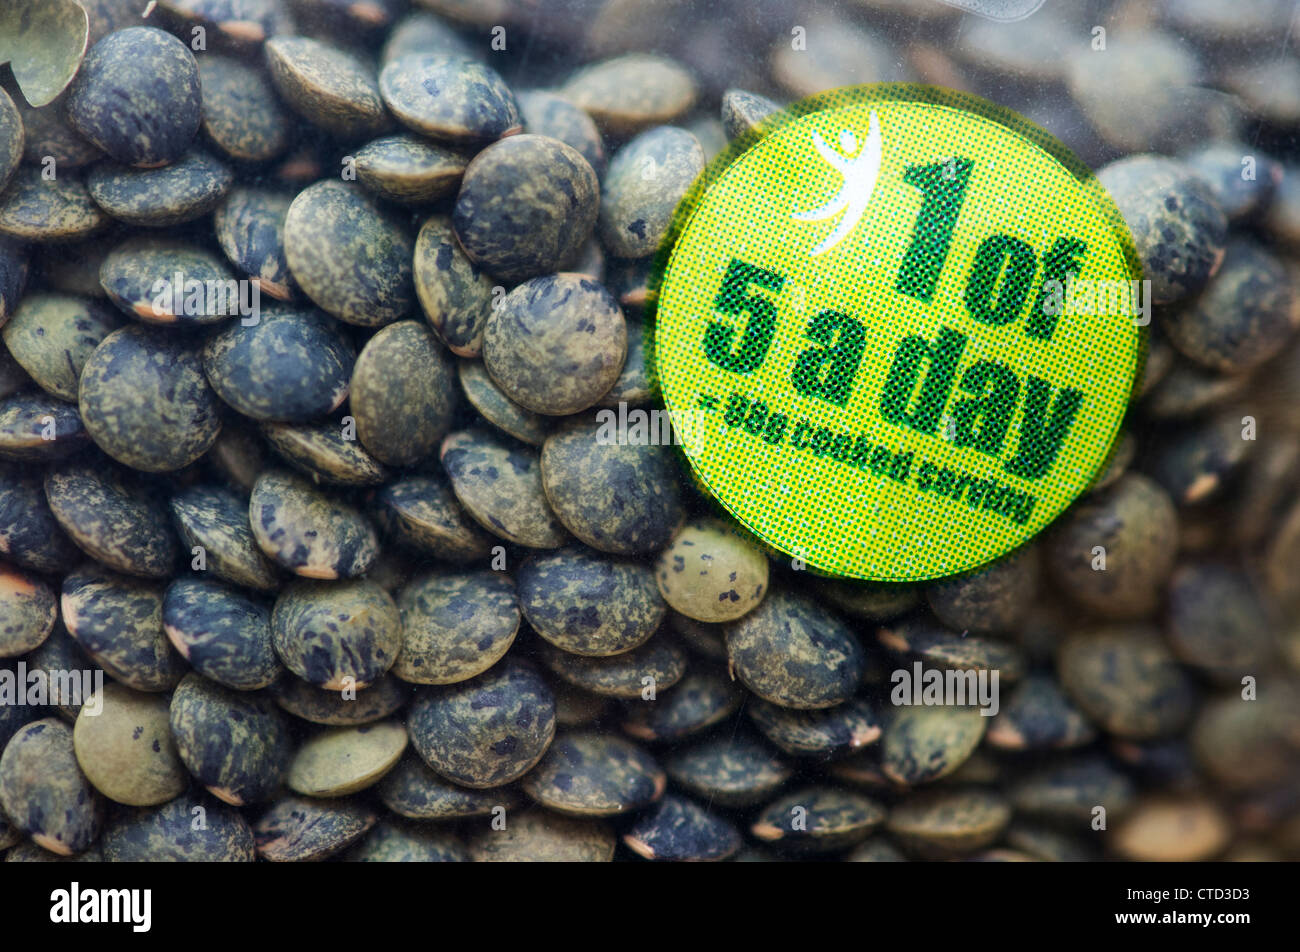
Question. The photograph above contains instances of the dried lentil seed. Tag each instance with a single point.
(349, 255)
(52, 335)
(222, 632)
(619, 498)
(338, 636)
(409, 170)
(125, 748)
(187, 189)
(498, 409)
(291, 366)
(500, 484)
(589, 604)
(113, 517)
(527, 204)
(137, 97)
(145, 400)
(455, 627)
(487, 731)
(402, 417)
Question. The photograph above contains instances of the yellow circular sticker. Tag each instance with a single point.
(898, 331)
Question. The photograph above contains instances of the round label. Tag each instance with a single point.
(898, 332)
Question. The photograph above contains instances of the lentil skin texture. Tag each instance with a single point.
(494, 406)
(166, 834)
(590, 774)
(402, 417)
(28, 611)
(455, 295)
(29, 534)
(940, 647)
(551, 115)
(629, 93)
(527, 204)
(321, 451)
(413, 789)
(832, 819)
(556, 344)
(622, 499)
(126, 750)
(11, 138)
(308, 532)
(938, 824)
(1125, 679)
(588, 604)
(990, 599)
(352, 258)
(47, 132)
(13, 278)
(223, 633)
(392, 841)
(736, 772)
(922, 744)
(25, 424)
(422, 513)
(409, 170)
(336, 636)
(538, 836)
(249, 225)
(43, 791)
(679, 830)
(794, 653)
(180, 192)
(454, 100)
(344, 760)
(326, 86)
(137, 97)
(300, 829)
(835, 730)
(304, 700)
(32, 209)
(1247, 314)
(241, 114)
(52, 335)
(743, 112)
(455, 627)
(487, 731)
(216, 519)
(118, 621)
(1178, 227)
(621, 675)
(711, 573)
(146, 402)
(235, 743)
(1039, 716)
(646, 180)
(1135, 522)
(130, 272)
(701, 699)
(500, 485)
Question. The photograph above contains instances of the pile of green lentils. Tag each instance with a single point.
(365, 583)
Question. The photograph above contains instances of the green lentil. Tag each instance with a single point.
(589, 604)
(145, 401)
(137, 97)
(125, 749)
(402, 418)
(52, 335)
(455, 627)
(341, 636)
(223, 633)
(527, 204)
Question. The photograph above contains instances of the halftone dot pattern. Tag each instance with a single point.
(904, 403)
